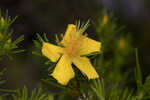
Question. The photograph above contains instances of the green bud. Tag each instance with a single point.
(2, 21)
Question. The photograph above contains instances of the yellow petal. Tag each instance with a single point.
(86, 67)
(63, 71)
(71, 31)
(51, 51)
(89, 45)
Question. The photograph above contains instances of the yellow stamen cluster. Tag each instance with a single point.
(73, 46)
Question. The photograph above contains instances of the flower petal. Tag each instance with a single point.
(51, 51)
(86, 67)
(63, 71)
(71, 31)
(89, 45)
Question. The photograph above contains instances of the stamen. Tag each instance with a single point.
(73, 46)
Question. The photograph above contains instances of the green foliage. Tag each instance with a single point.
(38, 44)
(2, 81)
(143, 89)
(98, 88)
(36, 94)
(146, 88)
(7, 46)
(138, 74)
(114, 44)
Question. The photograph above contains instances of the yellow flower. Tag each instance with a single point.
(75, 46)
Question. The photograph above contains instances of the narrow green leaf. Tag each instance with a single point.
(138, 73)
(18, 40)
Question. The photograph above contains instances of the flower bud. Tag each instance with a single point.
(2, 21)
(104, 20)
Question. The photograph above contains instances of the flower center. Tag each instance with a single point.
(73, 46)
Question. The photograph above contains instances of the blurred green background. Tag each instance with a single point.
(53, 16)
